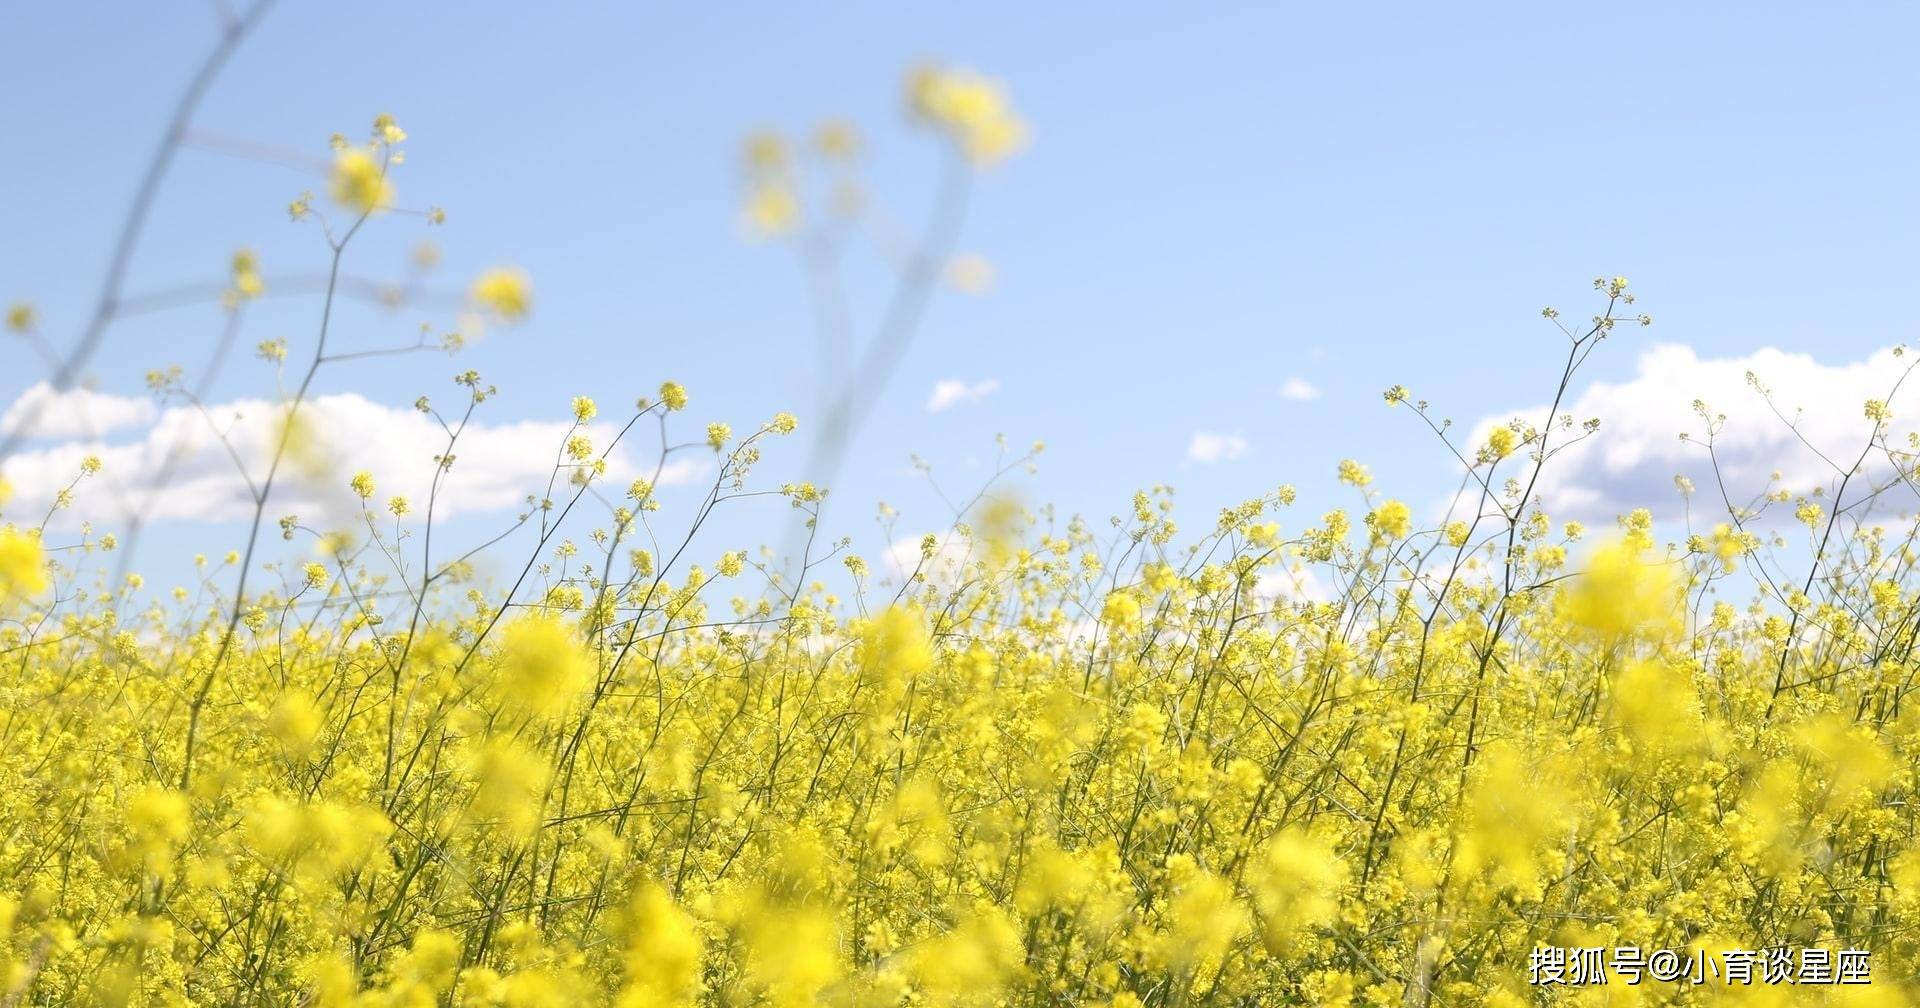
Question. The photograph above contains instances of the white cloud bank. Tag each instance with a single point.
(1632, 460)
(186, 465)
(951, 392)
(1208, 447)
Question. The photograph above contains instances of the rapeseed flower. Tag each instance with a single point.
(504, 291)
(359, 182)
(23, 566)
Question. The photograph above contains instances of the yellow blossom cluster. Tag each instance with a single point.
(970, 112)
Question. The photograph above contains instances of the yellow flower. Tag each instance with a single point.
(23, 566)
(997, 524)
(1727, 546)
(504, 291)
(1622, 593)
(246, 274)
(295, 721)
(429, 966)
(772, 209)
(969, 108)
(508, 782)
(1296, 884)
(1657, 705)
(896, 645)
(1203, 918)
(386, 131)
(359, 181)
(791, 954)
(159, 814)
(21, 316)
(1507, 830)
(1500, 444)
(673, 395)
(542, 666)
(1853, 760)
(971, 963)
(1391, 521)
(664, 949)
(1121, 610)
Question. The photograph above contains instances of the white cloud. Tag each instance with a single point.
(1295, 582)
(41, 412)
(1632, 460)
(1206, 447)
(495, 465)
(951, 392)
(903, 557)
(1298, 389)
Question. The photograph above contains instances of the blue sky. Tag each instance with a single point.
(1213, 202)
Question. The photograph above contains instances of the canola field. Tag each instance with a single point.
(1075, 763)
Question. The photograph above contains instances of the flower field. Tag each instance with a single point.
(1070, 768)
(1296, 753)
